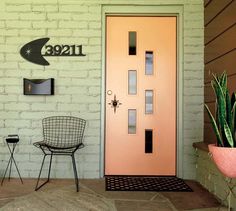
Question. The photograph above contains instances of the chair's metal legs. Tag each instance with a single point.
(75, 172)
(49, 170)
(50, 164)
(36, 188)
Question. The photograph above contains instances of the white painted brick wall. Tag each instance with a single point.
(78, 80)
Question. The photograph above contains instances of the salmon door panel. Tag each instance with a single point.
(140, 137)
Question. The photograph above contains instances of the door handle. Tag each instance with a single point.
(115, 103)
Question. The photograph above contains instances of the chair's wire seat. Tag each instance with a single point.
(63, 135)
(57, 149)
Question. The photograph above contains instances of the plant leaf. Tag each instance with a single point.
(233, 99)
(215, 128)
(234, 121)
(223, 82)
(217, 115)
(228, 134)
(221, 104)
(228, 111)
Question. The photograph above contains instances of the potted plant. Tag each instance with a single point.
(224, 126)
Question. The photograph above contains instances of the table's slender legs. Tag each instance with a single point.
(11, 159)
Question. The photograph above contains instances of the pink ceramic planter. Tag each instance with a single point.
(225, 159)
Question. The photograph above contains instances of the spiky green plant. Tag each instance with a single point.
(224, 123)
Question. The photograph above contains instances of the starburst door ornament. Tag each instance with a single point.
(115, 103)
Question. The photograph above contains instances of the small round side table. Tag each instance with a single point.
(11, 139)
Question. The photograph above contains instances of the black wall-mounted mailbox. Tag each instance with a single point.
(39, 86)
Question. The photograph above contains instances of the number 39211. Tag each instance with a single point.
(63, 50)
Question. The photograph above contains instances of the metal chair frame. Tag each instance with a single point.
(63, 135)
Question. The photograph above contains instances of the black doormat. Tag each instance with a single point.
(141, 183)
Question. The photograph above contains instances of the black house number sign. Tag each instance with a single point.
(63, 50)
(32, 51)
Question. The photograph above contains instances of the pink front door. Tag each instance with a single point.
(140, 96)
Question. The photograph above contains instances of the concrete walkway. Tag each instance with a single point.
(93, 197)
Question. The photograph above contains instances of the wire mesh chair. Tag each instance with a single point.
(63, 135)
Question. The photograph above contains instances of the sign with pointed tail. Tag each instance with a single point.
(32, 51)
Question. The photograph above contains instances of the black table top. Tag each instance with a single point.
(12, 140)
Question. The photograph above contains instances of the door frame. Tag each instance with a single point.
(150, 10)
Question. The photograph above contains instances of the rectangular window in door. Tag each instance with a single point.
(148, 101)
(132, 43)
(132, 121)
(132, 83)
(148, 141)
(148, 63)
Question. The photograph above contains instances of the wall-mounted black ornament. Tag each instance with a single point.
(32, 51)
(39, 86)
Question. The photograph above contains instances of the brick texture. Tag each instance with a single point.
(78, 80)
(211, 178)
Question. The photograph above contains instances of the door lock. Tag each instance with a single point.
(115, 103)
(109, 92)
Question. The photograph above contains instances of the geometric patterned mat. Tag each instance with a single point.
(144, 183)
